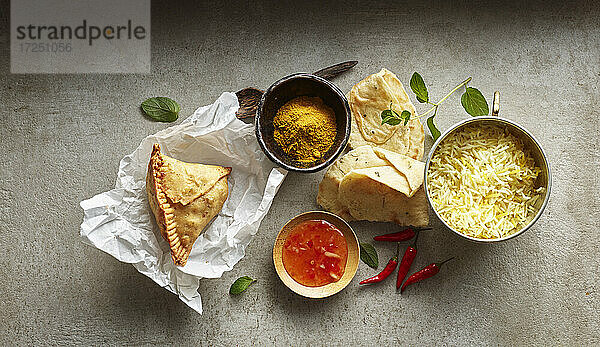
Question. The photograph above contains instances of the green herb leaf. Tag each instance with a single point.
(368, 255)
(406, 115)
(418, 87)
(386, 114)
(392, 117)
(388, 117)
(240, 285)
(474, 102)
(391, 121)
(435, 133)
(161, 109)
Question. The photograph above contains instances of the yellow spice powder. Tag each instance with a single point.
(305, 128)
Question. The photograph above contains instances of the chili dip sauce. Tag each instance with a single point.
(315, 253)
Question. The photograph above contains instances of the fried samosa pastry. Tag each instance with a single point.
(184, 198)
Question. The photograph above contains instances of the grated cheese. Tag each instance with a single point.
(481, 181)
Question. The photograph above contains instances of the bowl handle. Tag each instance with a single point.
(496, 104)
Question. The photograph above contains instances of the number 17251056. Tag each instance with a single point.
(45, 47)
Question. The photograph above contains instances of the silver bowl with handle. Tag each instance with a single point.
(544, 179)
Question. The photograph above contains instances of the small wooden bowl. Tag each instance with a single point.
(286, 89)
(351, 262)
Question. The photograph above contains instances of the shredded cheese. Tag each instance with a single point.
(481, 181)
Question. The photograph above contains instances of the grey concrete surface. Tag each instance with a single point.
(62, 136)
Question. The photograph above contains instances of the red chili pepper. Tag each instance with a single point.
(403, 235)
(385, 273)
(400, 236)
(428, 271)
(407, 260)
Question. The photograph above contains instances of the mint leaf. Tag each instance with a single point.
(161, 109)
(418, 87)
(240, 285)
(368, 255)
(474, 102)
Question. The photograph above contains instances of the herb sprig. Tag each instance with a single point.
(472, 101)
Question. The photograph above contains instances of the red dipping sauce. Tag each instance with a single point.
(315, 253)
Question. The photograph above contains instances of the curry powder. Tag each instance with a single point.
(305, 128)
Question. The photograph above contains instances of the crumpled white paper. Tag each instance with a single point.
(120, 222)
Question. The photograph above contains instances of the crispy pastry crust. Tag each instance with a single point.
(162, 208)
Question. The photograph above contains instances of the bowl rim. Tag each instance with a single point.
(499, 120)
(259, 134)
(280, 270)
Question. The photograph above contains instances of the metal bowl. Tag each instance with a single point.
(351, 262)
(543, 180)
(282, 91)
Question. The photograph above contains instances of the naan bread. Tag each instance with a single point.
(387, 175)
(368, 178)
(184, 198)
(358, 158)
(412, 170)
(367, 199)
(371, 96)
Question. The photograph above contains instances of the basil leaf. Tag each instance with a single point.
(418, 87)
(435, 133)
(406, 115)
(368, 255)
(161, 109)
(474, 102)
(240, 285)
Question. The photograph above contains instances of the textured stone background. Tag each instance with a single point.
(62, 136)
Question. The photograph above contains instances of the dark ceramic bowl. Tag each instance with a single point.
(282, 91)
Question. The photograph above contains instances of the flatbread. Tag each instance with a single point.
(361, 157)
(371, 96)
(397, 176)
(412, 169)
(387, 175)
(367, 199)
